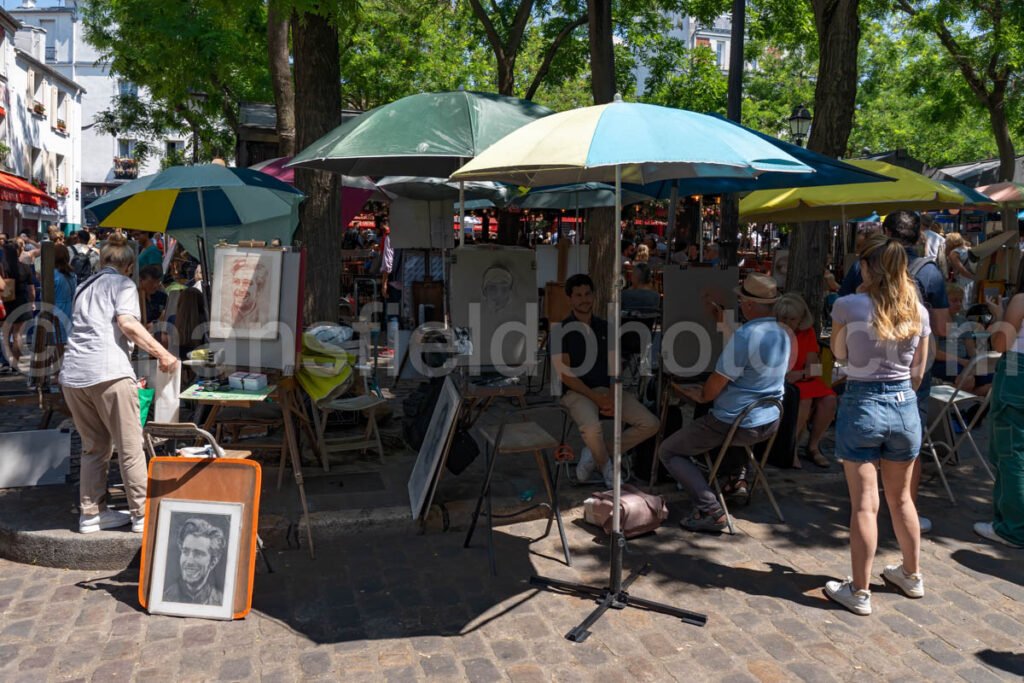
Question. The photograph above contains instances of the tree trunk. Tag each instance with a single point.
(317, 111)
(278, 30)
(996, 106)
(602, 50)
(729, 238)
(602, 224)
(835, 94)
(508, 227)
(506, 75)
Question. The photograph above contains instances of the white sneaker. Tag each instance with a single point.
(138, 524)
(585, 466)
(987, 530)
(911, 585)
(857, 601)
(608, 471)
(107, 519)
(926, 524)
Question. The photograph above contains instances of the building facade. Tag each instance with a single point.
(40, 130)
(716, 37)
(108, 160)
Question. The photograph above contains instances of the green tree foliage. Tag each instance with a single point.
(197, 59)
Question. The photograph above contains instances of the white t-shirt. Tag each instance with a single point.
(97, 350)
(870, 359)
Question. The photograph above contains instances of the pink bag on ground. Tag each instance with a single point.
(641, 512)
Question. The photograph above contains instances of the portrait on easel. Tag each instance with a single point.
(246, 293)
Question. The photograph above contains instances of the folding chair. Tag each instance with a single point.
(515, 434)
(175, 432)
(365, 403)
(758, 466)
(952, 398)
(636, 349)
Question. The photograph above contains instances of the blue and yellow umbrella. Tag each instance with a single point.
(189, 198)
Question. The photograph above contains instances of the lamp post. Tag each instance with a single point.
(800, 124)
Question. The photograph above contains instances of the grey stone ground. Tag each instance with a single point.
(401, 607)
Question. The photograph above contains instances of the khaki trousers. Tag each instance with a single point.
(643, 424)
(106, 416)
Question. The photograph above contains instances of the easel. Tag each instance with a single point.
(285, 392)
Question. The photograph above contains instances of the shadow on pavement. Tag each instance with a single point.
(1011, 570)
(374, 587)
(1010, 662)
(122, 586)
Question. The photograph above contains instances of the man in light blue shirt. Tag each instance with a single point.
(752, 366)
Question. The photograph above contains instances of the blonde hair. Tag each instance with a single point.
(792, 305)
(117, 254)
(954, 240)
(643, 253)
(954, 290)
(893, 292)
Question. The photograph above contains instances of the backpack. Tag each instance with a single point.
(915, 266)
(81, 264)
(641, 512)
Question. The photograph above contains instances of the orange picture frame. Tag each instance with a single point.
(225, 480)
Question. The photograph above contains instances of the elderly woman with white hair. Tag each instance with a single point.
(817, 400)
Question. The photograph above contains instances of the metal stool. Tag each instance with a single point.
(514, 434)
(758, 466)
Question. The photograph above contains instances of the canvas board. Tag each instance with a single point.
(35, 458)
(435, 445)
(279, 351)
(494, 294)
(246, 294)
(547, 262)
(420, 224)
(196, 559)
(692, 340)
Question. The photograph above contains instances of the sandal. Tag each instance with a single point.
(736, 489)
(701, 522)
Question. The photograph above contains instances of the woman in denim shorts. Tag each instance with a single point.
(882, 334)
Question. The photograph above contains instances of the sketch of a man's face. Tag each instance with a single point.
(200, 547)
(497, 288)
(248, 278)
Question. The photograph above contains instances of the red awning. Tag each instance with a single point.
(20, 191)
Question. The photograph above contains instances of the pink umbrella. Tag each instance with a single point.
(354, 194)
(1010, 194)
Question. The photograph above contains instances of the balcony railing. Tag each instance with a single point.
(126, 168)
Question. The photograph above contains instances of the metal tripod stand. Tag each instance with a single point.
(615, 595)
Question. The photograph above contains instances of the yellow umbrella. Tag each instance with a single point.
(911, 191)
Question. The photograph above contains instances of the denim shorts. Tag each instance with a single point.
(878, 421)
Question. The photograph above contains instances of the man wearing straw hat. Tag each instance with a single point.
(752, 366)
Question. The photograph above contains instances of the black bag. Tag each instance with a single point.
(417, 409)
(81, 264)
(462, 453)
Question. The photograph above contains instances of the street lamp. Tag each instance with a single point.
(800, 124)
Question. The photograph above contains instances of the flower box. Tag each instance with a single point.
(61, 126)
(39, 108)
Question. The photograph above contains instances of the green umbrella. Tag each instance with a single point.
(578, 196)
(430, 134)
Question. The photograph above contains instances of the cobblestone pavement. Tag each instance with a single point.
(404, 608)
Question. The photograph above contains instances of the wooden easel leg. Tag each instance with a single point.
(293, 448)
(663, 418)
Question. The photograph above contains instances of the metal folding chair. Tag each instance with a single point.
(952, 398)
(365, 403)
(758, 466)
(179, 432)
(515, 434)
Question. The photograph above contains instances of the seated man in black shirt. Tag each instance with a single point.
(580, 356)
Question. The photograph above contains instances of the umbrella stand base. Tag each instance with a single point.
(614, 596)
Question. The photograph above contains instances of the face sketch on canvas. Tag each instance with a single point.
(247, 281)
(497, 286)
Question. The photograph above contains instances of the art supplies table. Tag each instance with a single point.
(284, 393)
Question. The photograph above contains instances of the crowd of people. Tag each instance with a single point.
(890, 306)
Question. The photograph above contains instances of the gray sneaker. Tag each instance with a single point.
(585, 466)
(843, 592)
(106, 519)
(911, 585)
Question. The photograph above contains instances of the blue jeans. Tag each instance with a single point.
(878, 420)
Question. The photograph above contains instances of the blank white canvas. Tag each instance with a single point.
(34, 458)
(419, 224)
(547, 262)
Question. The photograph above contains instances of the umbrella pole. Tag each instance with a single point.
(204, 258)
(462, 212)
(615, 595)
(673, 205)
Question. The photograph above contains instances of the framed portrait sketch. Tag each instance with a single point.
(246, 294)
(435, 445)
(196, 559)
